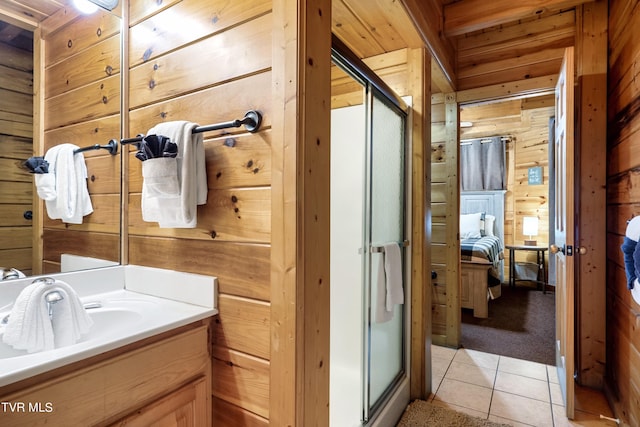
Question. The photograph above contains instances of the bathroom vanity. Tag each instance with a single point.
(164, 379)
(148, 360)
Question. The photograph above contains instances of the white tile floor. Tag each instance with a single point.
(507, 390)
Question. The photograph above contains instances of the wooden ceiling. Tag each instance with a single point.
(18, 19)
(28, 14)
(16, 36)
(476, 42)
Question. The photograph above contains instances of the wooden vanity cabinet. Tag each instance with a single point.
(163, 381)
(186, 406)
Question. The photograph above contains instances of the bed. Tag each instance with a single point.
(482, 249)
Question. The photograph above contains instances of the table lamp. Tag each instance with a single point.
(530, 228)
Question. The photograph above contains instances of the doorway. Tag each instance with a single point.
(521, 322)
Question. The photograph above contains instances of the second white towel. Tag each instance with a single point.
(64, 188)
(180, 210)
(388, 286)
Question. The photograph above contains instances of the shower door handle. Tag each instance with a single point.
(379, 248)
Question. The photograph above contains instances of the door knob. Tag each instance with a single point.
(582, 250)
(555, 249)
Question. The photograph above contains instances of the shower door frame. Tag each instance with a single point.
(394, 399)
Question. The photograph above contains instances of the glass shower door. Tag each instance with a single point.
(385, 355)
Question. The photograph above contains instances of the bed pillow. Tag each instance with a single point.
(470, 226)
(489, 223)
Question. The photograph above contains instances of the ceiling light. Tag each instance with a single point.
(85, 6)
(91, 6)
(106, 4)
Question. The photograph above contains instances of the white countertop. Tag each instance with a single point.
(129, 312)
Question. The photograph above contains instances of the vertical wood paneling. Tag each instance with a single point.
(591, 64)
(300, 214)
(419, 79)
(622, 381)
(452, 129)
(428, 18)
(439, 209)
(38, 262)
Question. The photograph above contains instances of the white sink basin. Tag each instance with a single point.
(107, 321)
(123, 318)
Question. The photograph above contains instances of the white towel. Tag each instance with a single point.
(46, 185)
(160, 177)
(179, 211)
(393, 270)
(29, 327)
(70, 200)
(389, 287)
(70, 320)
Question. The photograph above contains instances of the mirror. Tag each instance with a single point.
(77, 101)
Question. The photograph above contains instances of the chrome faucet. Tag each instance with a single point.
(10, 273)
(51, 298)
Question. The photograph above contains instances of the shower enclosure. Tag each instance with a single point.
(369, 366)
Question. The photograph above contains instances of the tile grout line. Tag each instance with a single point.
(553, 417)
(493, 387)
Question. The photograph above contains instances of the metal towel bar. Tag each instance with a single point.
(251, 121)
(379, 248)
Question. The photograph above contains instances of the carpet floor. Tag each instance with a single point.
(521, 325)
(421, 413)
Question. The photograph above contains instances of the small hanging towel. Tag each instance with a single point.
(168, 209)
(64, 187)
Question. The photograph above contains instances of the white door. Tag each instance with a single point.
(564, 230)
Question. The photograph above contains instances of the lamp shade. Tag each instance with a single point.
(530, 228)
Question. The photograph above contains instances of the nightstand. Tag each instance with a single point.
(541, 279)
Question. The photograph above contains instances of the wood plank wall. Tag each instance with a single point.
(16, 145)
(444, 240)
(209, 62)
(81, 98)
(623, 203)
